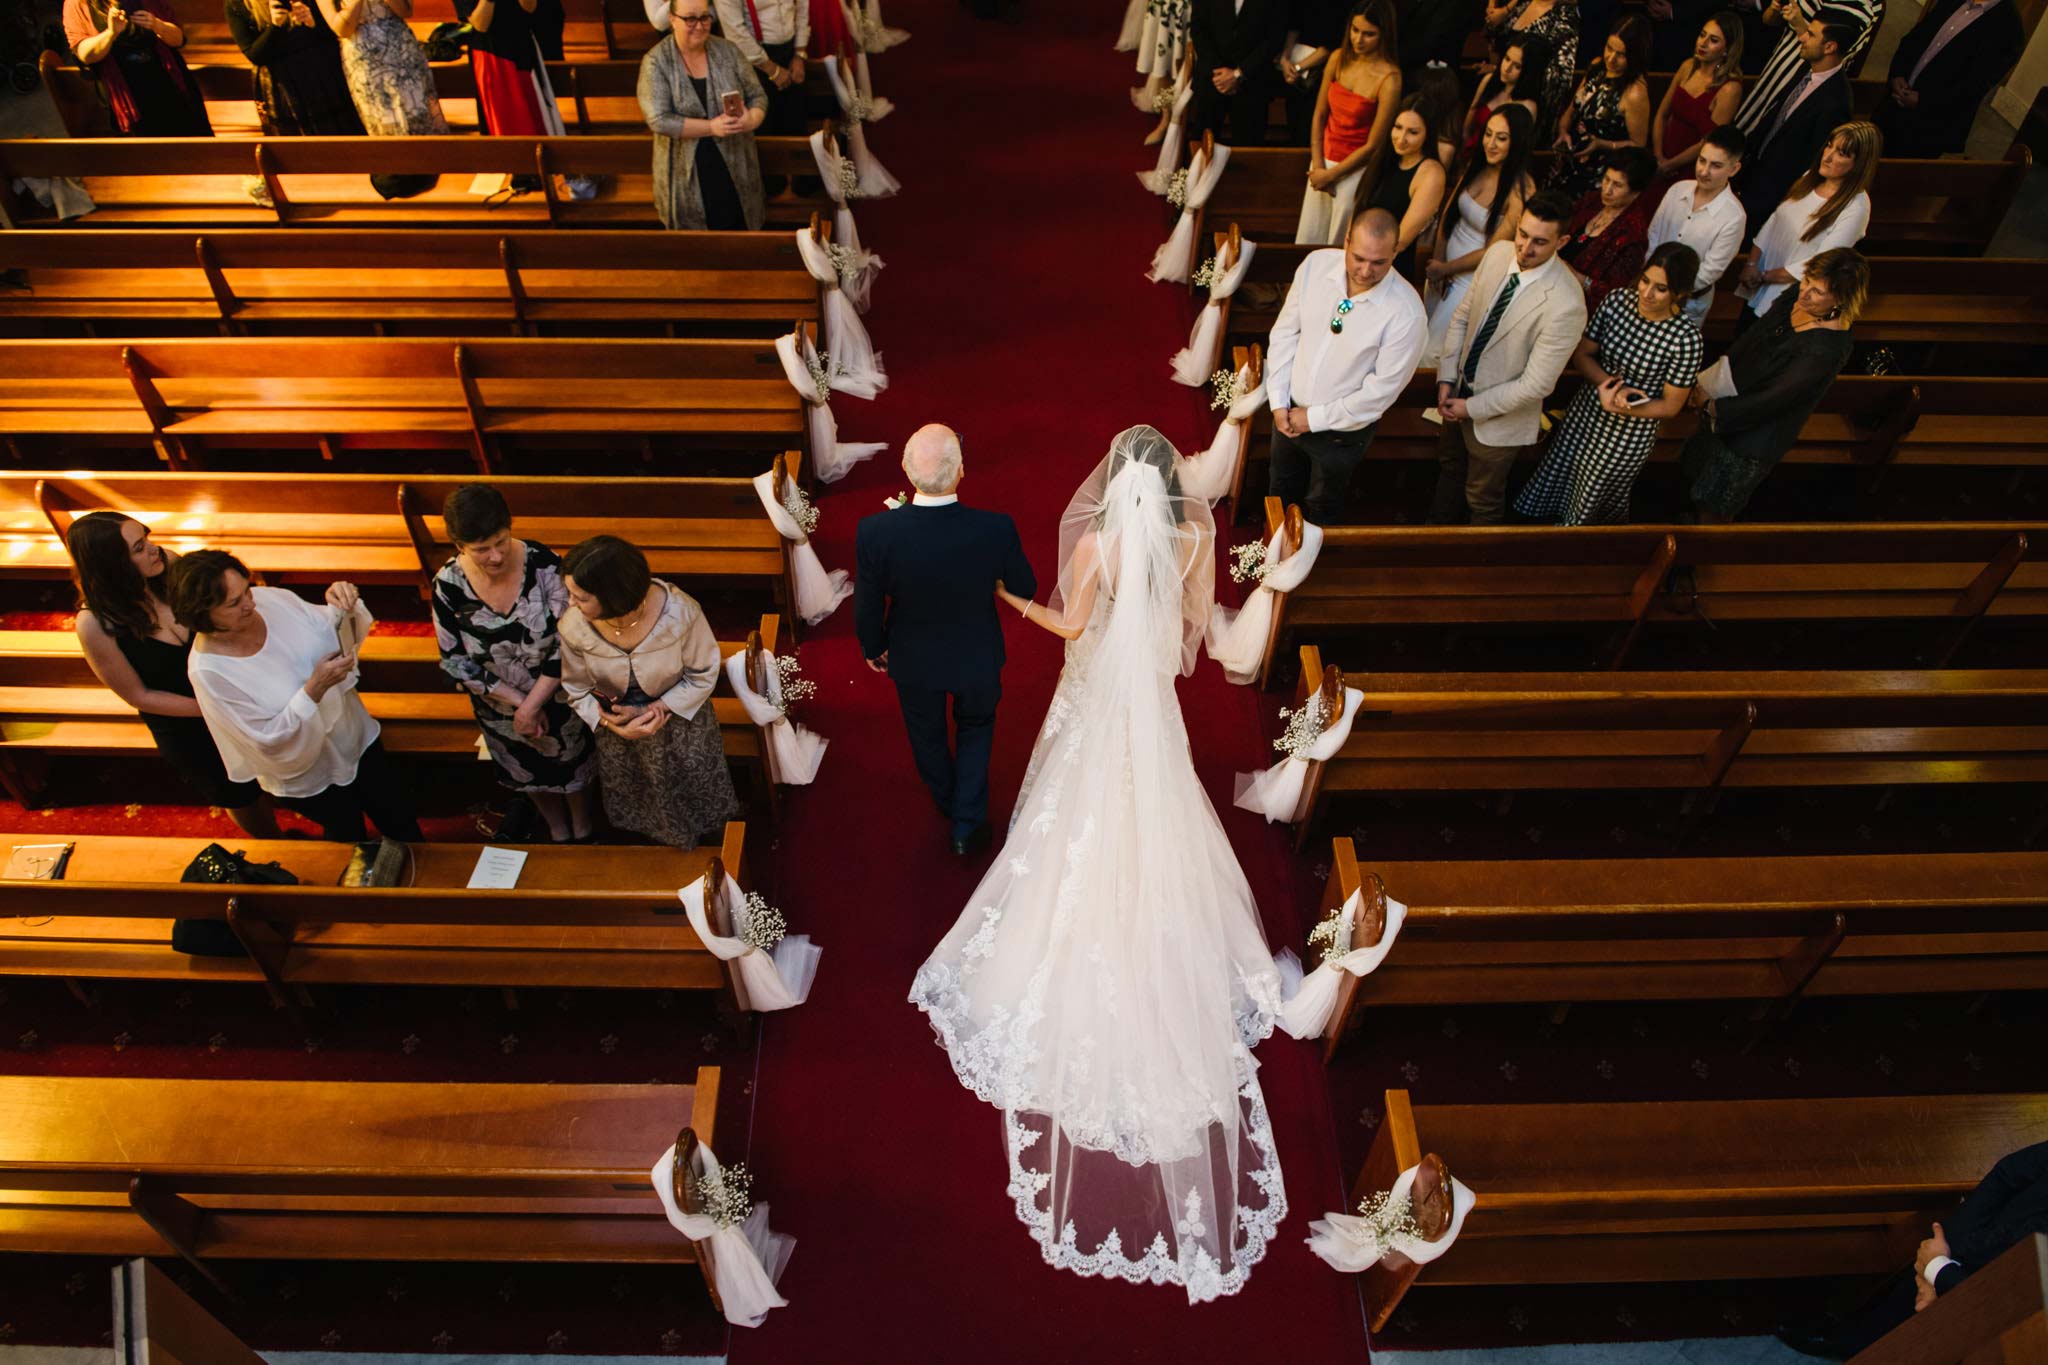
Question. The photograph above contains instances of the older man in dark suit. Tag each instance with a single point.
(1236, 42)
(1957, 54)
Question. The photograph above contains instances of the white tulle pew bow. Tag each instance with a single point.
(860, 108)
(856, 367)
(1175, 258)
(1351, 1243)
(818, 594)
(746, 1259)
(857, 265)
(1194, 363)
(1307, 1012)
(803, 366)
(1238, 639)
(794, 751)
(1210, 474)
(762, 979)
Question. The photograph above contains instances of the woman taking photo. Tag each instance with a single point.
(638, 664)
(1516, 78)
(1411, 188)
(139, 651)
(496, 609)
(1639, 360)
(132, 50)
(1482, 208)
(1611, 110)
(1361, 90)
(1772, 379)
(707, 172)
(1703, 95)
(278, 691)
(300, 88)
(1609, 231)
(1828, 207)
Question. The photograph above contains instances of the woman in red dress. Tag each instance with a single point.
(1703, 95)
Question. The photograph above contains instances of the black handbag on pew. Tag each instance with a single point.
(212, 937)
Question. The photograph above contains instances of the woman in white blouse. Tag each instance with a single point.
(277, 688)
(1826, 208)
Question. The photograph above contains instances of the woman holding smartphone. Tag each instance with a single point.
(638, 665)
(1640, 358)
(703, 102)
(275, 677)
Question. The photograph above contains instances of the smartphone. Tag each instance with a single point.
(731, 105)
(1638, 399)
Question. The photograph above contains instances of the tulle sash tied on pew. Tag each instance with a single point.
(746, 1261)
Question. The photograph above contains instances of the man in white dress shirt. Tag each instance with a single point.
(1705, 214)
(1343, 349)
(1514, 332)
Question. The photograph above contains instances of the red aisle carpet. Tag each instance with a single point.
(1014, 308)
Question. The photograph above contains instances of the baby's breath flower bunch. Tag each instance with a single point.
(1177, 189)
(849, 179)
(1205, 274)
(1387, 1219)
(859, 107)
(1248, 564)
(821, 375)
(761, 924)
(1324, 935)
(1304, 727)
(728, 1195)
(1163, 99)
(800, 509)
(791, 682)
(1226, 386)
(847, 263)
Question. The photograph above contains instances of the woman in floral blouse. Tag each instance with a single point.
(495, 609)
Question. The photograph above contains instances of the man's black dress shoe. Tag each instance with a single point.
(1808, 1341)
(974, 841)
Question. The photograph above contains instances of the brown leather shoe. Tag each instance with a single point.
(1430, 1198)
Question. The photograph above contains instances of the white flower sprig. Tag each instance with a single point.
(1304, 727)
(859, 106)
(727, 1197)
(849, 178)
(799, 507)
(1205, 274)
(761, 924)
(1387, 1219)
(1228, 386)
(820, 366)
(1248, 563)
(1163, 99)
(1325, 934)
(1177, 189)
(790, 679)
(847, 263)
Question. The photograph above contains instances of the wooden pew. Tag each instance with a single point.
(522, 281)
(1998, 1314)
(1701, 1190)
(1952, 574)
(593, 93)
(582, 915)
(323, 181)
(1919, 207)
(183, 396)
(1695, 732)
(1548, 931)
(1989, 301)
(375, 529)
(342, 1170)
(53, 706)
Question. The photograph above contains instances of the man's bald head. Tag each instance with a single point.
(931, 459)
(1369, 250)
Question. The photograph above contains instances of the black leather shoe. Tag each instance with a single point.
(973, 842)
(1807, 1341)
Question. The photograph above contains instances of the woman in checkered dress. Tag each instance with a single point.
(1639, 345)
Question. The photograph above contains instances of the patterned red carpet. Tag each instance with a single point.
(1014, 308)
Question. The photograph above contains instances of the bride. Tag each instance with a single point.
(1106, 982)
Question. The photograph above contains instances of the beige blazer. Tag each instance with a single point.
(1528, 351)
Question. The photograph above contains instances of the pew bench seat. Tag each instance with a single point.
(342, 1170)
(1698, 1190)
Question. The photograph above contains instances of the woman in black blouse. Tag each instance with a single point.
(1779, 369)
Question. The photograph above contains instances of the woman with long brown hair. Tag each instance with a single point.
(1361, 91)
(298, 82)
(131, 48)
(133, 646)
(1828, 207)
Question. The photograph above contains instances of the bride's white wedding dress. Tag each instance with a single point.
(1107, 980)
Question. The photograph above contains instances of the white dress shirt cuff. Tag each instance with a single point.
(302, 707)
(1936, 1266)
(1319, 417)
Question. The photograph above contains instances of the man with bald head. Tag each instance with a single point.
(924, 607)
(1344, 348)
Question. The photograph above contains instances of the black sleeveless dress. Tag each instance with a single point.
(1392, 195)
(184, 741)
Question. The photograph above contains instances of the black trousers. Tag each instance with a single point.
(377, 792)
(1315, 470)
(785, 116)
(956, 771)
